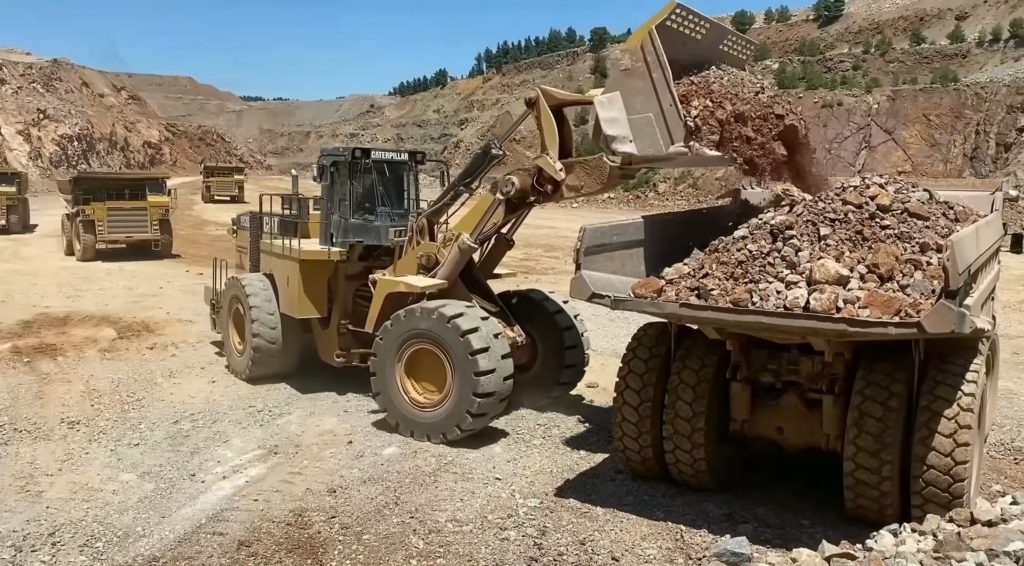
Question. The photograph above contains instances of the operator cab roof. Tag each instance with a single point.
(375, 153)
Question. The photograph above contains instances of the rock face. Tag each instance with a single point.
(836, 253)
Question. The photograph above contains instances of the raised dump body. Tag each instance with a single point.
(14, 210)
(905, 404)
(105, 209)
(223, 181)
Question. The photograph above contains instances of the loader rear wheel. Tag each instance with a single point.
(441, 370)
(83, 240)
(166, 239)
(65, 236)
(950, 427)
(873, 449)
(259, 342)
(698, 453)
(555, 358)
(639, 404)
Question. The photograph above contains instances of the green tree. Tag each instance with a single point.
(883, 44)
(872, 83)
(957, 35)
(814, 78)
(599, 69)
(769, 16)
(786, 77)
(828, 11)
(783, 14)
(867, 45)
(600, 38)
(762, 53)
(809, 47)
(572, 37)
(1016, 29)
(743, 20)
(996, 33)
(945, 77)
(917, 37)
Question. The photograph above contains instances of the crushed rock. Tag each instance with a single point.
(870, 248)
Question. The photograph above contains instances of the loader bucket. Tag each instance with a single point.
(639, 117)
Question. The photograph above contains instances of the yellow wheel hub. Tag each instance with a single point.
(236, 329)
(425, 375)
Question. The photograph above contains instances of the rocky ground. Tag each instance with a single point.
(869, 248)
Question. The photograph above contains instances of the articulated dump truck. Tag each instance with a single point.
(106, 209)
(14, 212)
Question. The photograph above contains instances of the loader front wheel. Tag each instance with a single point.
(83, 240)
(65, 236)
(698, 452)
(258, 341)
(949, 433)
(873, 449)
(639, 405)
(166, 239)
(441, 370)
(555, 357)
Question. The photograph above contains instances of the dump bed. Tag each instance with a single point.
(611, 257)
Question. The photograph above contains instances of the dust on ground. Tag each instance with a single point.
(48, 335)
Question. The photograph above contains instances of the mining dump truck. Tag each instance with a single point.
(382, 280)
(223, 181)
(906, 405)
(14, 212)
(105, 209)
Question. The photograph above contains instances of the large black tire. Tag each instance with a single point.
(258, 341)
(874, 454)
(83, 238)
(698, 453)
(559, 343)
(205, 196)
(639, 404)
(166, 239)
(950, 426)
(241, 196)
(26, 214)
(16, 223)
(65, 236)
(441, 370)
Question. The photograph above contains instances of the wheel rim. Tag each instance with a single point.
(425, 375)
(236, 329)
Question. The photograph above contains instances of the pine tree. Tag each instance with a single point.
(743, 20)
(917, 37)
(489, 59)
(769, 16)
(600, 38)
(783, 14)
(572, 37)
(1016, 29)
(996, 33)
(599, 68)
(828, 11)
(556, 40)
(957, 35)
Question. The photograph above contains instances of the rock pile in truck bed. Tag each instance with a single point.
(870, 248)
(744, 116)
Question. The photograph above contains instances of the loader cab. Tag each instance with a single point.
(368, 195)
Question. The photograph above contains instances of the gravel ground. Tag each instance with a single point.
(143, 450)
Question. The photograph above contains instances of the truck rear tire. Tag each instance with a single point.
(16, 218)
(698, 453)
(558, 351)
(166, 239)
(874, 446)
(950, 427)
(65, 236)
(441, 370)
(639, 405)
(205, 195)
(258, 341)
(83, 239)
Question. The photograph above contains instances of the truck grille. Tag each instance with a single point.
(223, 187)
(127, 221)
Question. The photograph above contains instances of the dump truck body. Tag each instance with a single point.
(114, 209)
(872, 391)
(14, 207)
(223, 181)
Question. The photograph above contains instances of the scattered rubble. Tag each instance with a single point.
(742, 115)
(871, 248)
(992, 534)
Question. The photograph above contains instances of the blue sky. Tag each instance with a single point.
(303, 48)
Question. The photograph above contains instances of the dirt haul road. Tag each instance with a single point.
(123, 440)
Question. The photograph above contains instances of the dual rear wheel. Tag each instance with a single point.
(902, 456)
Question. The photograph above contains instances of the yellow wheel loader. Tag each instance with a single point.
(14, 212)
(378, 280)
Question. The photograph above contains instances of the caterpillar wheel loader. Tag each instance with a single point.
(14, 211)
(379, 281)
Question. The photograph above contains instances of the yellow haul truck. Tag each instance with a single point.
(14, 213)
(107, 209)
(224, 181)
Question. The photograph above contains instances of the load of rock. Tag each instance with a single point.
(991, 534)
(869, 248)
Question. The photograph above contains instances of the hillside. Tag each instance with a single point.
(57, 117)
